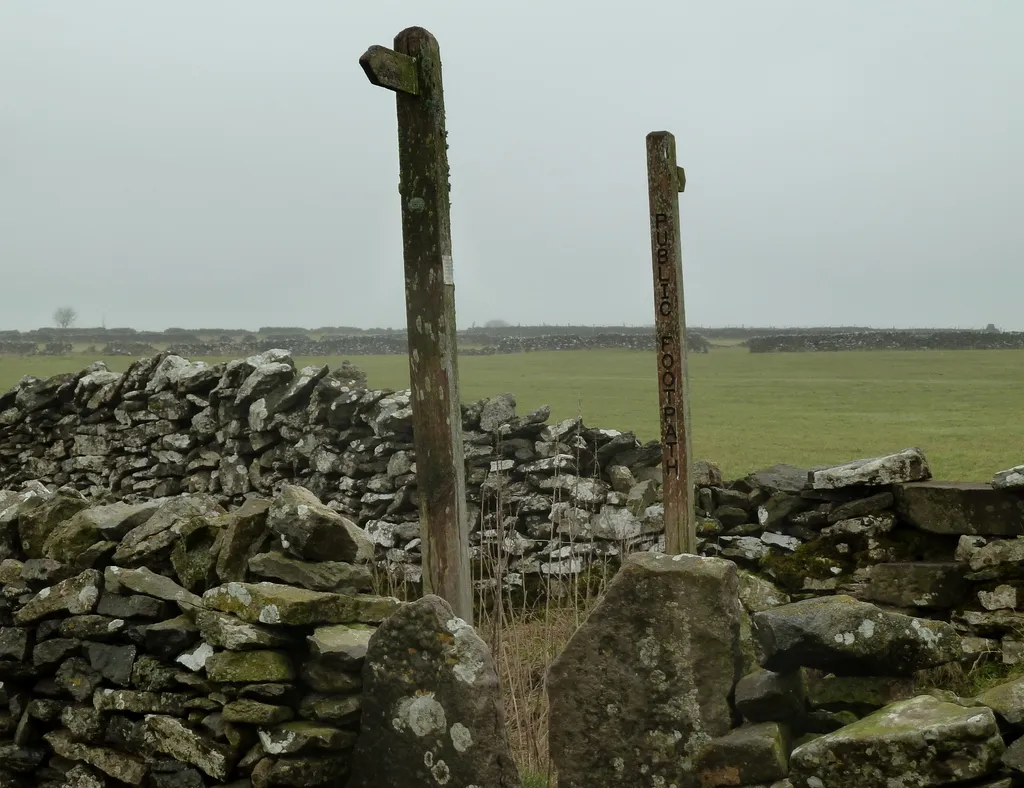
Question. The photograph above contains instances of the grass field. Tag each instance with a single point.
(964, 408)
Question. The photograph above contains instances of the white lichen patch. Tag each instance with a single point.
(925, 633)
(85, 601)
(845, 638)
(279, 744)
(467, 651)
(649, 651)
(44, 593)
(239, 592)
(441, 773)
(866, 628)
(270, 615)
(115, 625)
(421, 714)
(462, 739)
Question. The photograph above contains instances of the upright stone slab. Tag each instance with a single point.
(645, 682)
(432, 709)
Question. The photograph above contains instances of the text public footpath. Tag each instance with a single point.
(670, 351)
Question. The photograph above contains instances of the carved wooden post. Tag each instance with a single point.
(413, 71)
(665, 181)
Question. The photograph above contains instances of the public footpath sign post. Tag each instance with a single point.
(413, 71)
(665, 180)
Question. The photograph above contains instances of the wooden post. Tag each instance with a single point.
(665, 180)
(413, 71)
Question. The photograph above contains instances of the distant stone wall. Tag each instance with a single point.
(887, 340)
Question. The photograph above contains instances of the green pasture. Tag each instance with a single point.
(962, 407)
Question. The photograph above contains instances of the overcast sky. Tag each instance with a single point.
(226, 163)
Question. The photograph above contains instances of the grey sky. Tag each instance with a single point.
(198, 163)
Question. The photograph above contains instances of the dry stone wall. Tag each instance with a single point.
(173, 644)
(886, 340)
(186, 553)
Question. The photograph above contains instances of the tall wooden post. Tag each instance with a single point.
(413, 70)
(665, 180)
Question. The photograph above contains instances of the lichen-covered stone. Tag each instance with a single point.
(908, 465)
(758, 594)
(314, 575)
(344, 646)
(841, 635)
(961, 508)
(273, 603)
(95, 524)
(143, 581)
(292, 738)
(170, 736)
(250, 667)
(646, 681)
(120, 766)
(312, 531)
(75, 595)
(1010, 479)
(194, 555)
(917, 584)
(141, 702)
(432, 709)
(746, 756)
(918, 742)
(339, 709)
(157, 535)
(37, 522)
(1006, 700)
(860, 694)
(225, 631)
(253, 712)
(243, 534)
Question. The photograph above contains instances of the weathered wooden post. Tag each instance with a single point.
(413, 71)
(665, 180)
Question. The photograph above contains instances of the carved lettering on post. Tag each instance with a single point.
(413, 71)
(665, 180)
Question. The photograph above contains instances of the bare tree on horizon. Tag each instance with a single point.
(65, 317)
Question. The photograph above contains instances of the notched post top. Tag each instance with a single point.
(389, 69)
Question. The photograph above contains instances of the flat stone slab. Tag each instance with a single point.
(919, 742)
(960, 508)
(1007, 701)
(917, 584)
(1010, 479)
(76, 595)
(908, 465)
(432, 708)
(646, 681)
(844, 636)
(273, 603)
